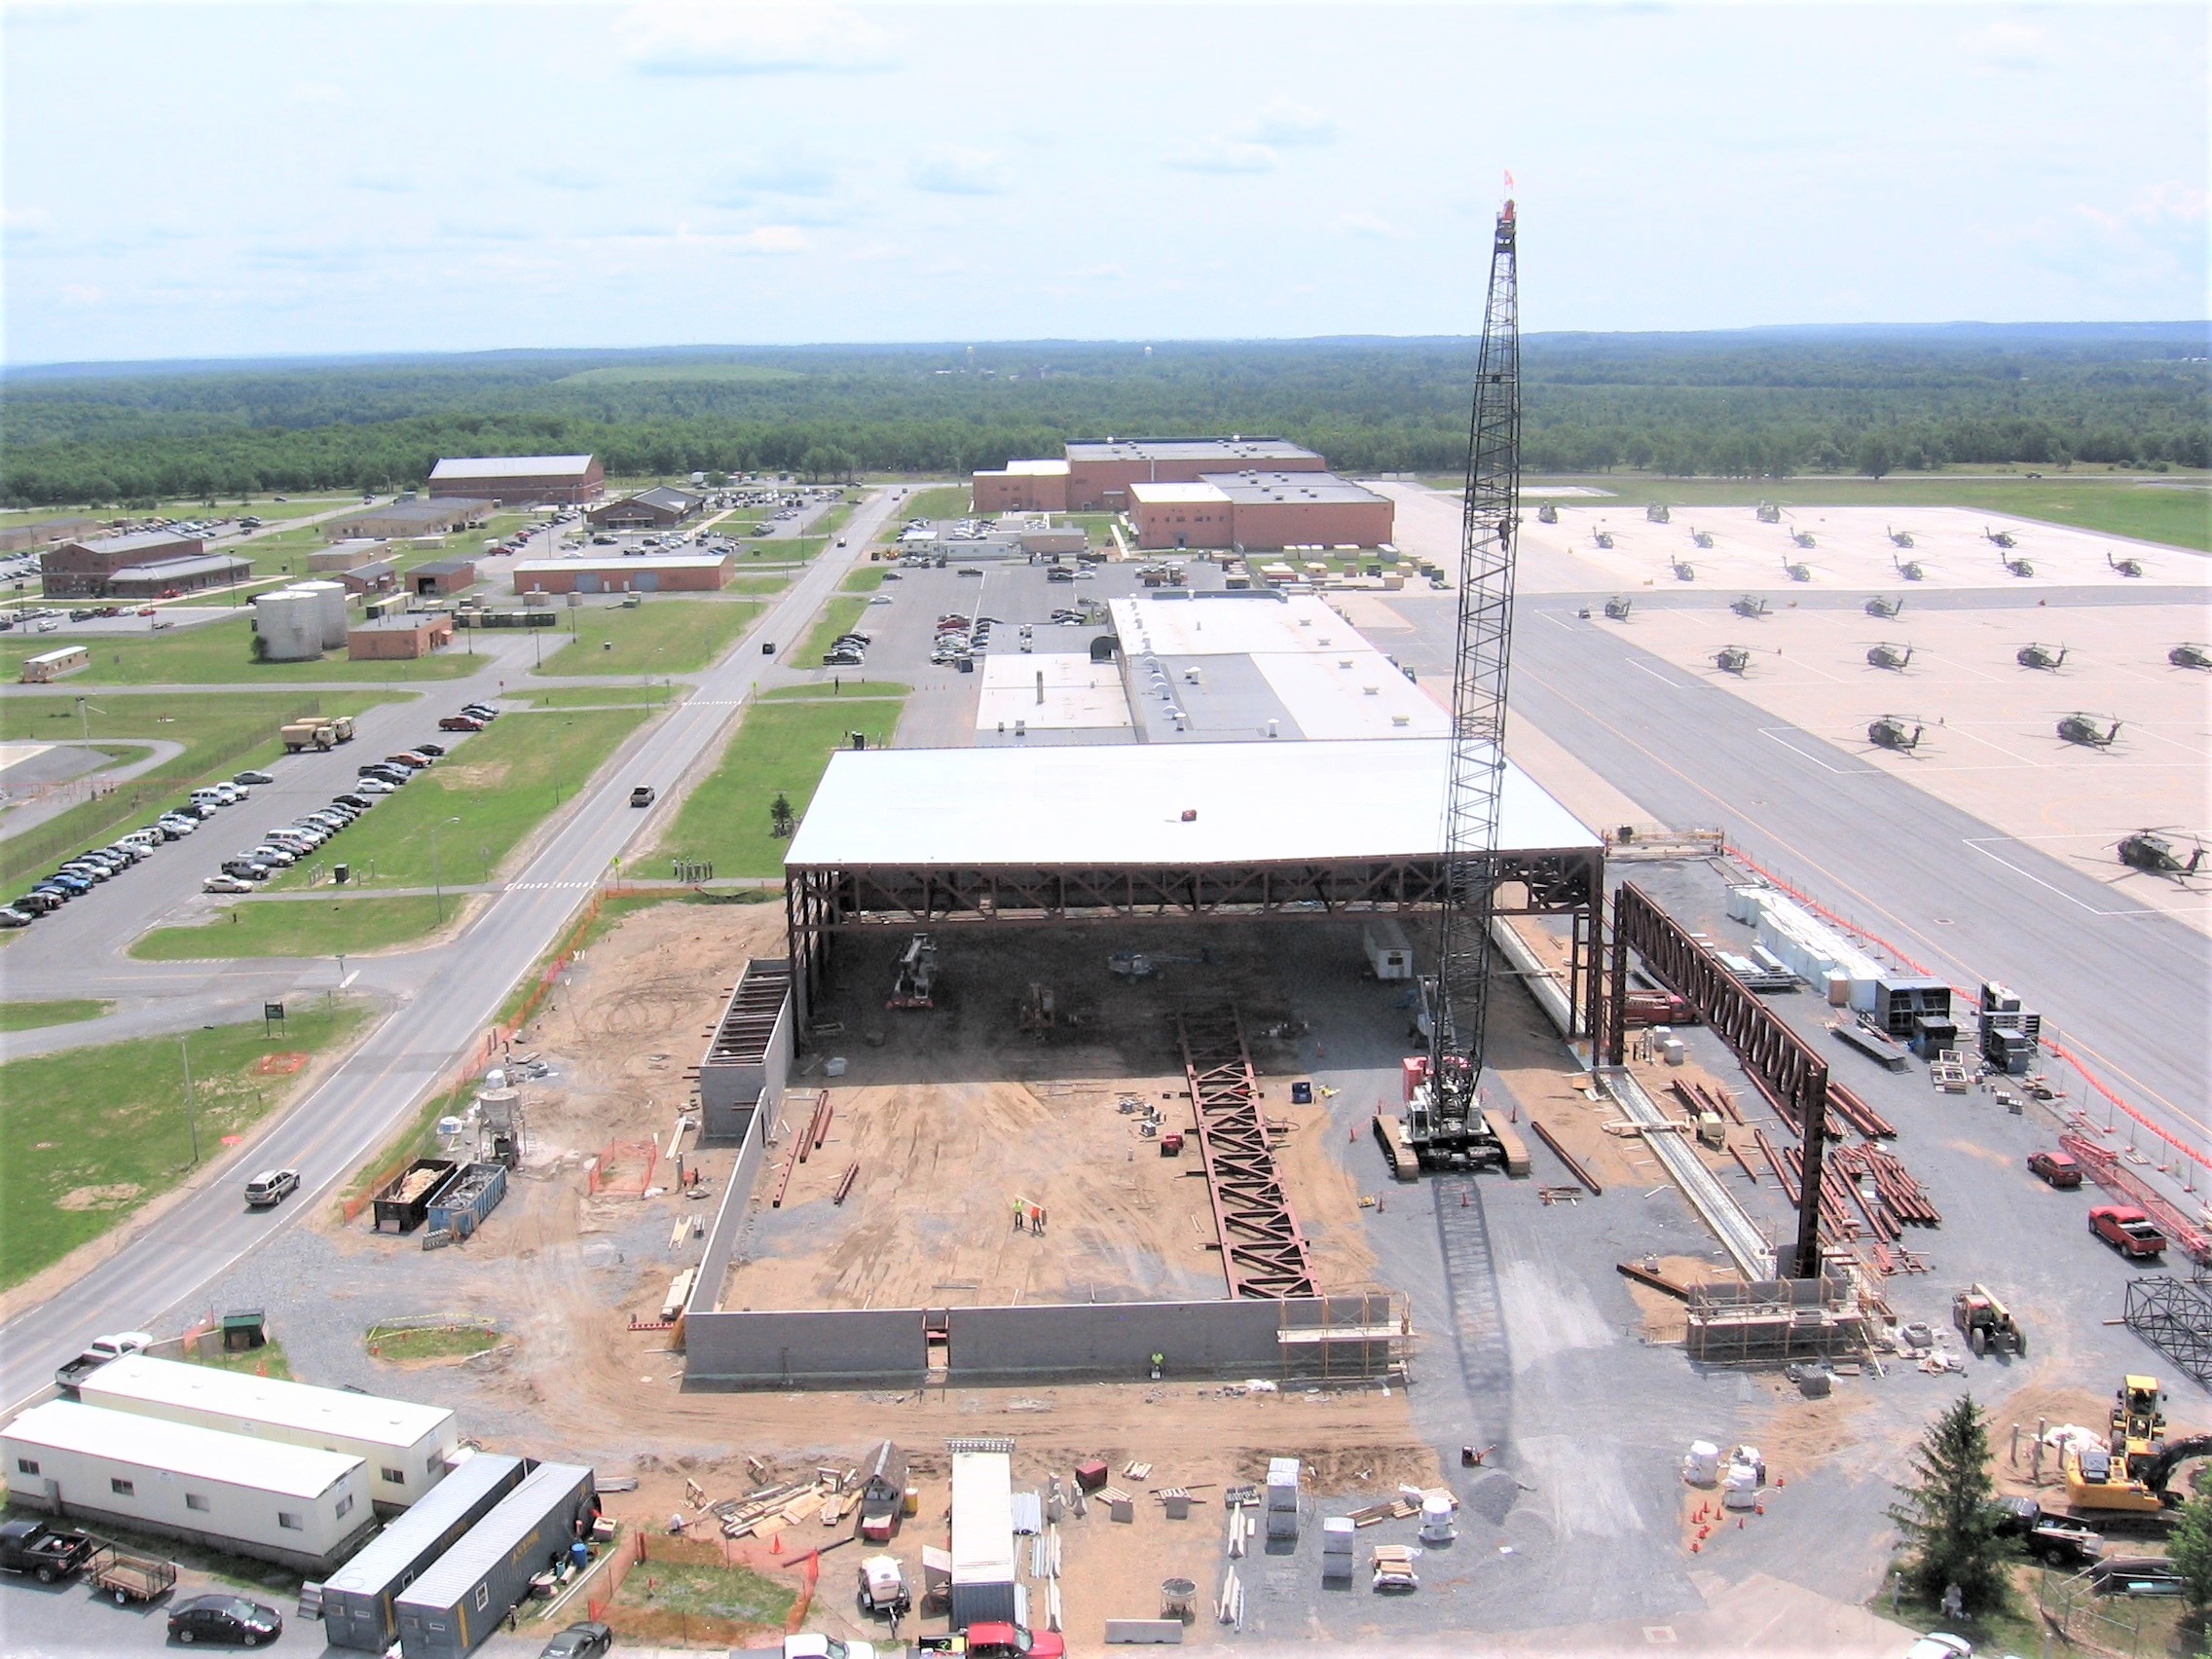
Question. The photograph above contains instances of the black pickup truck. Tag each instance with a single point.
(39, 1550)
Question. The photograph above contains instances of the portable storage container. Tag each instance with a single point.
(358, 1601)
(465, 1595)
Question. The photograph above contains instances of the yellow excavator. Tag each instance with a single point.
(2130, 1474)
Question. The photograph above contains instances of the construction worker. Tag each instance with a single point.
(1039, 1218)
(1020, 1213)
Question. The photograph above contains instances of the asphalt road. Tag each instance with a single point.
(438, 1022)
(2124, 986)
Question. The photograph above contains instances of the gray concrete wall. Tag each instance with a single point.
(1118, 1340)
(730, 1219)
(729, 1091)
(874, 1346)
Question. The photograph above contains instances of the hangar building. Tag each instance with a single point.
(518, 480)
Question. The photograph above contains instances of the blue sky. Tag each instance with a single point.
(187, 180)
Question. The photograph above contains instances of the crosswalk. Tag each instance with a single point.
(548, 885)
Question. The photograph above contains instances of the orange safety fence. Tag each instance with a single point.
(627, 1554)
(2185, 1149)
(613, 1156)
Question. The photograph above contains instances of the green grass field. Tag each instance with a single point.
(500, 783)
(400, 1343)
(222, 733)
(866, 579)
(298, 928)
(847, 688)
(88, 1136)
(2178, 512)
(644, 375)
(779, 748)
(665, 635)
(945, 501)
(597, 696)
(32, 1015)
(222, 653)
(838, 616)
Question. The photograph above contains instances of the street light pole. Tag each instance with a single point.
(191, 1099)
(437, 882)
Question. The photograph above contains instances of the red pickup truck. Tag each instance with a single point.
(1013, 1641)
(2126, 1230)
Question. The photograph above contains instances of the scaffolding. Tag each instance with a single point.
(1768, 1322)
(1362, 1337)
(2176, 1319)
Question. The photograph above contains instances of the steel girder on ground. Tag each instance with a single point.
(1262, 1250)
(2176, 1319)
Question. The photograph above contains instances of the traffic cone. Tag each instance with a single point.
(776, 1544)
(1695, 1546)
(1756, 1509)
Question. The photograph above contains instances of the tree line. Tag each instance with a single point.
(1764, 403)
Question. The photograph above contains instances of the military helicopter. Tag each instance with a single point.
(2002, 538)
(1883, 654)
(2091, 731)
(2125, 566)
(1912, 570)
(1685, 571)
(1769, 513)
(1891, 732)
(1618, 607)
(1658, 512)
(1750, 604)
(2020, 568)
(2187, 655)
(2150, 850)
(1602, 538)
(1732, 660)
(1703, 537)
(1880, 606)
(1547, 512)
(2034, 655)
(1803, 539)
(1901, 537)
(1797, 569)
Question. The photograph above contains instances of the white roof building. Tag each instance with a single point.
(459, 470)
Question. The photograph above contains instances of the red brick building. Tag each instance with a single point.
(519, 479)
(1265, 511)
(389, 639)
(91, 569)
(1095, 474)
(663, 573)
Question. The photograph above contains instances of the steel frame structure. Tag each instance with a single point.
(1264, 1253)
(1769, 1049)
(821, 901)
(2176, 1319)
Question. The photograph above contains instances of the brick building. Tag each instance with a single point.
(667, 572)
(399, 519)
(519, 479)
(1095, 474)
(142, 564)
(657, 508)
(1261, 510)
(442, 576)
(390, 639)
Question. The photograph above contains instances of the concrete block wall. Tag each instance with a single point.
(731, 1089)
(729, 1218)
(823, 1348)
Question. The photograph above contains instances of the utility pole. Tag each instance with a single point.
(437, 882)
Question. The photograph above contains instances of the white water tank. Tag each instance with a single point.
(1702, 1467)
(289, 624)
(330, 607)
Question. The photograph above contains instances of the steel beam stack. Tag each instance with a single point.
(1263, 1251)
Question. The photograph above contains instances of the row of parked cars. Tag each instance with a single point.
(89, 869)
(373, 780)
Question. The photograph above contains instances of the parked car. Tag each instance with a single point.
(461, 722)
(276, 856)
(252, 777)
(2058, 1168)
(589, 1639)
(361, 800)
(224, 1618)
(272, 1187)
(435, 751)
(1941, 1644)
(38, 902)
(374, 787)
(482, 711)
(224, 884)
(11, 917)
(2127, 1229)
(247, 869)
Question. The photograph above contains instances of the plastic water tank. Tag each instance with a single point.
(1702, 1466)
(330, 603)
(289, 625)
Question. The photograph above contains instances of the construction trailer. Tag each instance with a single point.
(407, 1447)
(1770, 1321)
(299, 1507)
(983, 1534)
(1389, 953)
(359, 1600)
(465, 1595)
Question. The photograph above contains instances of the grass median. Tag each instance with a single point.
(500, 784)
(838, 616)
(221, 733)
(221, 653)
(90, 1136)
(778, 748)
(36, 1016)
(945, 501)
(299, 927)
(665, 635)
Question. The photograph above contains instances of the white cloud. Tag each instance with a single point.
(776, 173)
(954, 172)
(566, 178)
(751, 40)
(768, 238)
(325, 95)
(1280, 122)
(2009, 43)
(2167, 202)
(383, 181)
(1219, 154)
(1369, 225)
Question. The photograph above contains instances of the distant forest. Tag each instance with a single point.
(1743, 404)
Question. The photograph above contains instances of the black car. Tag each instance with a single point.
(224, 1618)
(580, 1641)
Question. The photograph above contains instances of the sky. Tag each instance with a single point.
(294, 178)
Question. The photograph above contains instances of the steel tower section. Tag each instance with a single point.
(1481, 662)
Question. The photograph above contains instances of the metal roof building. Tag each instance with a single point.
(514, 480)
(405, 1445)
(300, 1505)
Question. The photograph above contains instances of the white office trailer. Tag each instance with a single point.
(359, 1600)
(982, 1537)
(299, 1507)
(405, 1446)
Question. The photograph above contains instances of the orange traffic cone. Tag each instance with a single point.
(1695, 1546)
(776, 1544)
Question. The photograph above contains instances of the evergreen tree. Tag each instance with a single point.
(781, 819)
(2191, 1547)
(1945, 1513)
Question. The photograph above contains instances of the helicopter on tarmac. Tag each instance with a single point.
(2150, 850)
(2090, 731)
(2187, 655)
(2035, 655)
(1899, 537)
(1912, 570)
(1896, 731)
(2130, 567)
(1883, 607)
(1703, 537)
(1732, 660)
(1883, 654)
(1750, 605)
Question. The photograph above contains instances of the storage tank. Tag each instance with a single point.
(330, 603)
(291, 626)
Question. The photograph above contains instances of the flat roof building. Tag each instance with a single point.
(442, 576)
(653, 572)
(405, 1445)
(397, 519)
(1263, 511)
(401, 638)
(104, 565)
(657, 508)
(519, 479)
(1094, 474)
(298, 1506)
